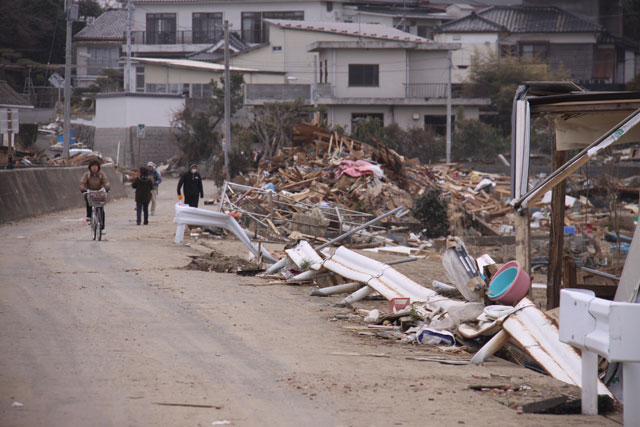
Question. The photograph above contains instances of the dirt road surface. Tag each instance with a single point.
(113, 333)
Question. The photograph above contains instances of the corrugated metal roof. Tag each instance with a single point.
(196, 65)
(374, 31)
(110, 25)
(514, 19)
(9, 97)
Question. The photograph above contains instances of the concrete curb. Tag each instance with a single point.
(30, 192)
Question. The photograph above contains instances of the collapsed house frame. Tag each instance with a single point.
(590, 121)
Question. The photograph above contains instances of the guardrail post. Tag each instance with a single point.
(630, 393)
(589, 383)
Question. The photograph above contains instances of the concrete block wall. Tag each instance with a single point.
(30, 192)
(157, 146)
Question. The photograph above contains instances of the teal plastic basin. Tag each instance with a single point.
(502, 282)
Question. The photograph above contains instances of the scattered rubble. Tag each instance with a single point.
(220, 263)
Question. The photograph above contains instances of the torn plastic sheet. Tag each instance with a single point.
(186, 215)
(304, 256)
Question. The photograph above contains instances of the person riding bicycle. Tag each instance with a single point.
(94, 179)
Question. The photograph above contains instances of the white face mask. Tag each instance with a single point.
(193, 170)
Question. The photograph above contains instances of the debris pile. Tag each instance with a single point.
(421, 315)
(349, 181)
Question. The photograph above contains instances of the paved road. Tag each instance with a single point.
(113, 333)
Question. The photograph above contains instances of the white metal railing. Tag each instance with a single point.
(609, 329)
(425, 90)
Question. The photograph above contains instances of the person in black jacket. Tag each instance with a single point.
(192, 182)
(143, 185)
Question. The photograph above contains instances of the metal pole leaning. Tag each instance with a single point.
(355, 230)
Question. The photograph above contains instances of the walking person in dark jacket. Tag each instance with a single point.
(143, 185)
(192, 182)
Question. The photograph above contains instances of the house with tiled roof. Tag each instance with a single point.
(357, 71)
(99, 45)
(567, 42)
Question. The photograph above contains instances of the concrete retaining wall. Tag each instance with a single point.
(35, 191)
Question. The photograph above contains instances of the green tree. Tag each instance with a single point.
(197, 132)
(500, 76)
(474, 140)
(34, 30)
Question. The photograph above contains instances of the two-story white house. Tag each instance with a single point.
(173, 28)
(361, 71)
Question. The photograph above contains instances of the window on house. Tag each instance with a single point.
(329, 6)
(532, 51)
(254, 30)
(140, 79)
(437, 123)
(201, 90)
(276, 49)
(102, 57)
(424, 31)
(161, 28)
(207, 27)
(326, 71)
(156, 88)
(508, 50)
(363, 75)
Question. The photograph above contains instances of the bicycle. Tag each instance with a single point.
(97, 199)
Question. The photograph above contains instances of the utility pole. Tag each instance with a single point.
(67, 79)
(449, 109)
(226, 141)
(127, 71)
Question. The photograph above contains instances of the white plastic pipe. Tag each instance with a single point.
(357, 296)
(338, 289)
(489, 349)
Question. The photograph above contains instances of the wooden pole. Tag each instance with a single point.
(556, 235)
(523, 239)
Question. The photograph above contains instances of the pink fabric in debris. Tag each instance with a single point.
(354, 169)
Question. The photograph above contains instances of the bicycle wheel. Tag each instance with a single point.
(94, 224)
(99, 223)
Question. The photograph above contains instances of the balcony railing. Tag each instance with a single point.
(285, 92)
(425, 90)
(439, 90)
(176, 37)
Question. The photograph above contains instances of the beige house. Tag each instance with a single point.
(593, 57)
(361, 71)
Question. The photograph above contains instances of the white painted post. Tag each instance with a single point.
(179, 233)
(589, 383)
(630, 393)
